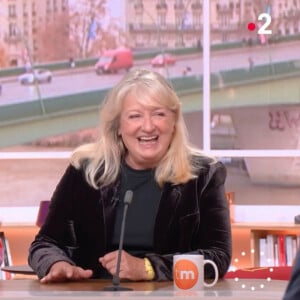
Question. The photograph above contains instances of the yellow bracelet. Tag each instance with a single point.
(149, 269)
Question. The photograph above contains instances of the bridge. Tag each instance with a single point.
(267, 85)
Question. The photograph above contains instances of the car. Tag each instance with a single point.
(36, 76)
(111, 61)
(161, 60)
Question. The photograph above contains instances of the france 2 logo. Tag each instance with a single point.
(265, 20)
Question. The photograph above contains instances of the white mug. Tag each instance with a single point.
(188, 272)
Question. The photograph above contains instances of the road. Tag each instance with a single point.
(69, 81)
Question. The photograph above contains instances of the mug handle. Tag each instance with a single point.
(208, 261)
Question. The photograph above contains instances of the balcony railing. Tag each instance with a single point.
(12, 38)
(196, 6)
(179, 6)
(161, 6)
(162, 28)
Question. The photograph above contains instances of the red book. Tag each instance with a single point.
(281, 250)
(1, 252)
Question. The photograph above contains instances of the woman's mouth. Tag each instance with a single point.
(148, 139)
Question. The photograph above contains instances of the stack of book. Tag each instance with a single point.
(278, 250)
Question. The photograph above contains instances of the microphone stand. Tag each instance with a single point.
(116, 278)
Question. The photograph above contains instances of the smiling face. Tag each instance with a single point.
(146, 131)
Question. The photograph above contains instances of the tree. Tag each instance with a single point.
(4, 61)
(92, 29)
(53, 40)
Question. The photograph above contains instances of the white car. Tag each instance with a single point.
(36, 76)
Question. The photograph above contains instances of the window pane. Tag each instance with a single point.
(257, 76)
(255, 98)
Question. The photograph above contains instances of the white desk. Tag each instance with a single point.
(25, 289)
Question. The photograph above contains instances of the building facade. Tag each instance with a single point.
(148, 24)
(178, 23)
(20, 21)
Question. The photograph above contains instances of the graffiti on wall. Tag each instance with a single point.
(281, 120)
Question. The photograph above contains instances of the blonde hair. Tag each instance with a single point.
(102, 159)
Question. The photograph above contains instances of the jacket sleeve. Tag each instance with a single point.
(211, 235)
(53, 242)
(293, 289)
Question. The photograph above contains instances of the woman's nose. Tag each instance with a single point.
(148, 124)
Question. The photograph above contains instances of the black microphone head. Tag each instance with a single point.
(128, 197)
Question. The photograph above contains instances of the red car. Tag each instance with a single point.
(161, 60)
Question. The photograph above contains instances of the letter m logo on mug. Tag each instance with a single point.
(188, 272)
(185, 274)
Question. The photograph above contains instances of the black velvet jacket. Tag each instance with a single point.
(192, 217)
(293, 288)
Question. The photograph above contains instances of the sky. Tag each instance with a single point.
(115, 7)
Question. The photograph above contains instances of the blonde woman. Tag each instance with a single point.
(179, 203)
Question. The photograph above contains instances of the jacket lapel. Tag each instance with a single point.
(109, 199)
(166, 212)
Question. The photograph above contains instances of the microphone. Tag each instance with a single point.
(116, 278)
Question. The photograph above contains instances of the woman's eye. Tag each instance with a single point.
(134, 116)
(160, 113)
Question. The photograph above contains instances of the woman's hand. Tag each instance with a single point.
(131, 267)
(63, 271)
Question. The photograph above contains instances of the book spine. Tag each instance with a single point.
(281, 250)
